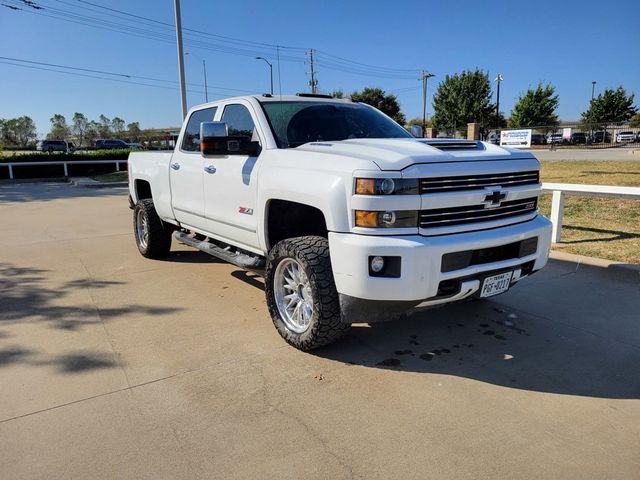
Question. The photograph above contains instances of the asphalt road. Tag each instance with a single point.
(114, 366)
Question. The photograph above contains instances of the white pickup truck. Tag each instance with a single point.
(351, 218)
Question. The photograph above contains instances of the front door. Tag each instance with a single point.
(230, 184)
(186, 173)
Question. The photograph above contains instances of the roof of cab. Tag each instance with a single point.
(298, 98)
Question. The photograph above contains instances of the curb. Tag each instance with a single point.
(104, 185)
(629, 271)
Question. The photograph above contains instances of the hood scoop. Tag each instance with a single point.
(446, 144)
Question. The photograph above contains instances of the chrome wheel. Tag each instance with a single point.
(142, 229)
(292, 292)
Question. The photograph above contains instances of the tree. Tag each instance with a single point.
(92, 133)
(59, 128)
(535, 108)
(117, 126)
(337, 94)
(610, 106)
(104, 127)
(134, 132)
(635, 121)
(463, 98)
(18, 132)
(79, 127)
(417, 121)
(377, 98)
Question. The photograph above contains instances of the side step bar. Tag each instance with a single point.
(239, 259)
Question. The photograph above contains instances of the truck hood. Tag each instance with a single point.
(399, 153)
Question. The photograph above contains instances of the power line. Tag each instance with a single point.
(332, 62)
(337, 59)
(62, 69)
(169, 37)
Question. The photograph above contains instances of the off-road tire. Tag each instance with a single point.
(159, 241)
(312, 253)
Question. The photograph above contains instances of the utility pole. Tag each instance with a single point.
(593, 89)
(498, 79)
(204, 70)
(425, 76)
(206, 91)
(313, 83)
(183, 87)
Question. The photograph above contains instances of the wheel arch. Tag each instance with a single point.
(288, 219)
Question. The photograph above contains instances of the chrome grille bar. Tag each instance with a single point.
(444, 217)
(462, 183)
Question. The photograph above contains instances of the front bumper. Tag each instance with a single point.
(421, 262)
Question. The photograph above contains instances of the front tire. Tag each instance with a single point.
(301, 293)
(153, 236)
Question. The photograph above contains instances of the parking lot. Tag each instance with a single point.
(115, 366)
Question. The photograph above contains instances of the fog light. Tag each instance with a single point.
(377, 264)
(388, 218)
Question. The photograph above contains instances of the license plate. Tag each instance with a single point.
(496, 284)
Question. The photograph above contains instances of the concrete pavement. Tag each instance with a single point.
(115, 366)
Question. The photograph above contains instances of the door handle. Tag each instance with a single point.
(210, 169)
(175, 166)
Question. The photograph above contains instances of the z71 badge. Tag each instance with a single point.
(245, 210)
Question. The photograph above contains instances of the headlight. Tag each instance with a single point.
(386, 186)
(386, 219)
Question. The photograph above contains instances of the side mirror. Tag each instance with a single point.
(416, 131)
(215, 140)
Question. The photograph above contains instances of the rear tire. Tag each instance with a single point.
(153, 236)
(301, 293)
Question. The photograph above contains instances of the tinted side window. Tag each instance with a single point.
(191, 140)
(238, 120)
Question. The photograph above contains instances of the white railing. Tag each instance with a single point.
(63, 163)
(560, 189)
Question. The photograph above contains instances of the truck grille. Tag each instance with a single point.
(475, 182)
(447, 217)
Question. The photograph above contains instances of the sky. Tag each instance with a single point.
(357, 43)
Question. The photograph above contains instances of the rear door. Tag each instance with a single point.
(230, 182)
(186, 172)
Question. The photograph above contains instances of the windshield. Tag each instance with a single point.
(297, 123)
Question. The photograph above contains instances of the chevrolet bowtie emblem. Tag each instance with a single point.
(495, 198)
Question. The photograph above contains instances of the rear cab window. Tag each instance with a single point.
(239, 121)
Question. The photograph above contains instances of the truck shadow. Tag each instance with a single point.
(574, 341)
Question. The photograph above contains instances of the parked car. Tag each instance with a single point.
(280, 184)
(555, 138)
(625, 137)
(111, 144)
(51, 146)
(599, 137)
(578, 138)
(538, 139)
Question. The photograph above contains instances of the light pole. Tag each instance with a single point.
(593, 88)
(204, 70)
(183, 87)
(498, 79)
(425, 76)
(270, 71)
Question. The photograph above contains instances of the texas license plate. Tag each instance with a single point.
(496, 284)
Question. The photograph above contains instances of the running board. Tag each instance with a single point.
(242, 260)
